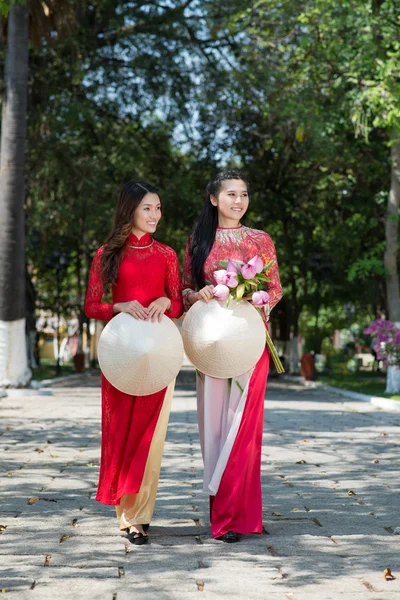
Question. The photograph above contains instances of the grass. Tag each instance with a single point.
(363, 383)
(47, 369)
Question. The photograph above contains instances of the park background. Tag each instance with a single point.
(302, 96)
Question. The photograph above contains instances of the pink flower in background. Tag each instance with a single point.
(221, 292)
(260, 298)
(223, 277)
(386, 341)
(248, 271)
(257, 263)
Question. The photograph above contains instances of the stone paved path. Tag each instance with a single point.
(330, 476)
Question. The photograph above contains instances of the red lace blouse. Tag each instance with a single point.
(148, 270)
(241, 244)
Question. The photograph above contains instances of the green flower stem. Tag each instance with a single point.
(274, 355)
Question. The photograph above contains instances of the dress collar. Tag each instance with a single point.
(229, 228)
(134, 242)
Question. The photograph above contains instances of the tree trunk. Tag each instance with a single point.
(14, 370)
(391, 234)
(390, 258)
(294, 342)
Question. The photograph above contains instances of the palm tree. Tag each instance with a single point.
(31, 20)
(14, 369)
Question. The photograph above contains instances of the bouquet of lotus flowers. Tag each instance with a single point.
(246, 281)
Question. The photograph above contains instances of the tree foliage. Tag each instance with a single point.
(302, 96)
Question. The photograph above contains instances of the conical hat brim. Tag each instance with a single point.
(223, 341)
(140, 357)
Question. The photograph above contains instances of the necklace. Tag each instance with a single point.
(141, 247)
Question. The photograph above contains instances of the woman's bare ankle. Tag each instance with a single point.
(136, 528)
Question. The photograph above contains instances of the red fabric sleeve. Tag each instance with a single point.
(187, 281)
(173, 287)
(94, 307)
(274, 287)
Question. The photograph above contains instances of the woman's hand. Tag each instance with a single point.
(206, 294)
(133, 308)
(157, 308)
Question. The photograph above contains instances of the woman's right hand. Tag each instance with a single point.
(206, 294)
(133, 308)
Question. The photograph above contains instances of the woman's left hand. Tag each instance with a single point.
(157, 308)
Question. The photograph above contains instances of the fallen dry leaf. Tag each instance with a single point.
(375, 461)
(389, 529)
(3, 528)
(301, 462)
(47, 560)
(38, 450)
(273, 551)
(369, 586)
(387, 575)
(351, 493)
(384, 434)
(33, 500)
(63, 538)
(332, 540)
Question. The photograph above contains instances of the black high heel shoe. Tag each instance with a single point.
(137, 538)
(146, 527)
(230, 538)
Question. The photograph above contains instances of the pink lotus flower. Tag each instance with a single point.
(221, 292)
(248, 271)
(232, 267)
(231, 280)
(223, 277)
(257, 263)
(220, 276)
(260, 298)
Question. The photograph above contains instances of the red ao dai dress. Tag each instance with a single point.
(231, 412)
(134, 427)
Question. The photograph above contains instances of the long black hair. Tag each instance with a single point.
(204, 231)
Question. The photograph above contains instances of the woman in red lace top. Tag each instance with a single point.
(143, 275)
(231, 453)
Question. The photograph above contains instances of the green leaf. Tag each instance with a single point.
(267, 266)
(240, 291)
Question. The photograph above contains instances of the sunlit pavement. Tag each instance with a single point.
(330, 474)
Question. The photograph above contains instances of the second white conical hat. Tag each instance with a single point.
(223, 341)
(140, 357)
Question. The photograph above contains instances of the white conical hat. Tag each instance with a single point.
(140, 357)
(223, 341)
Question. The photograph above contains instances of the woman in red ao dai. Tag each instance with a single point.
(144, 278)
(231, 454)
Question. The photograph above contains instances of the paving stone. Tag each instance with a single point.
(323, 543)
